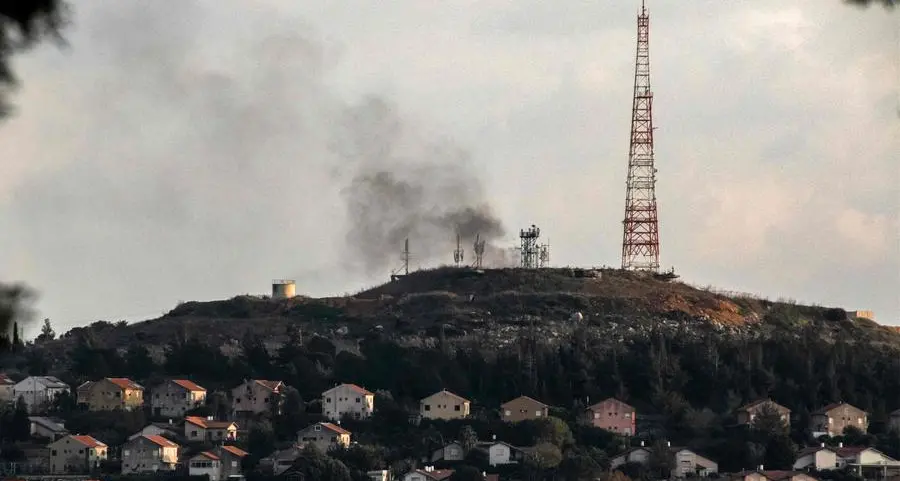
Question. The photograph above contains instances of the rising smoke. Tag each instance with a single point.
(406, 186)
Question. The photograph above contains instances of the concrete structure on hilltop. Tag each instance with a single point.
(348, 400)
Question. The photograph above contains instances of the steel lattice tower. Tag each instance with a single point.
(640, 243)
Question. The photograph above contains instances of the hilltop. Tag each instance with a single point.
(492, 308)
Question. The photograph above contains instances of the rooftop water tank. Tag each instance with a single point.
(283, 289)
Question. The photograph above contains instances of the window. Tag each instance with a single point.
(537, 414)
(234, 464)
(358, 400)
(596, 415)
(317, 428)
(428, 407)
(507, 413)
(54, 452)
(456, 408)
(328, 399)
(627, 415)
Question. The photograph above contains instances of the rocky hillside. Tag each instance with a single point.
(492, 308)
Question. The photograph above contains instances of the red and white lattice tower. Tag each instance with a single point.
(640, 243)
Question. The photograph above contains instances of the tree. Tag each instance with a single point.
(313, 464)
(661, 462)
(138, 361)
(780, 452)
(578, 466)
(468, 438)
(769, 421)
(47, 332)
(555, 431)
(22, 24)
(466, 473)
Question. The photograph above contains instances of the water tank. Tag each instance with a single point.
(283, 289)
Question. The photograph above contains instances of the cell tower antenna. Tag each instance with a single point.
(458, 253)
(479, 251)
(640, 241)
(530, 251)
(405, 267)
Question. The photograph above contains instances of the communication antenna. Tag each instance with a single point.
(544, 255)
(479, 251)
(458, 253)
(530, 250)
(405, 267)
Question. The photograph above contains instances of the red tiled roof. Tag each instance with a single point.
(334, 428)
(124, 383)
(209, 455)
(437, 474)
(206, 423)
(270, 385)
(848, 451)
(235, 451)
(359, 389)
(813, 449)
(88, 441)
(189, 385)
(160, 441)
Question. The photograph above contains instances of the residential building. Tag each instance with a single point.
(167, 430)
(347, 400)
(611, 415)
(281, 460)
(820, 458)
(6, 389)
(230, 458)
(867, 463)
(428, 474)
(832, 419)
(148, 454)
(205, 463)
(500, 453)
(379, 475)
(76, 454)
(255, 396)
(49, 428)
(444, 405)
(324, 436)
(208, 429)
(39, 392)
(110, 394)
(895, 421)
(451, 452)
(523, 408)
(686, 463)
(176, 397)
(747, 414)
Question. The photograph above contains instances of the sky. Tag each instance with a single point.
(197, 149)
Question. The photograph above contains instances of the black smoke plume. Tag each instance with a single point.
(404, 184)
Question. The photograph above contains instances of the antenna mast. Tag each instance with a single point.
(405, 267)
(458, 253)
(640, 241)
(479, 251)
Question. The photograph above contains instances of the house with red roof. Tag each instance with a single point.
(256, 396)
(206, 464)
(832, 419)
(348, 400)
(76, 454)
(149, 454)
(428, 473)
(110, 394)
(231, 458)
(611, 415)
(198, 428)
(324, 436)
(176, 397)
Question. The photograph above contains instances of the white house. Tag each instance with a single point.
(428, 474)
(500, 453)
(860, 459)
(818, 458)
(38, 392)
(208, 429)
(175, 397)
(451, 452)
(639, 455)
(686, 462)
(205, 463)
(148, 454)
(255, 396)
(324, 436)
(347, 399)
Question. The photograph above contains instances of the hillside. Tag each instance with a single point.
(492, 308)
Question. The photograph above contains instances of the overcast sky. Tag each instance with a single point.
(185, 150)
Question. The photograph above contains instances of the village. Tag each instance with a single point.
(177, 442)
